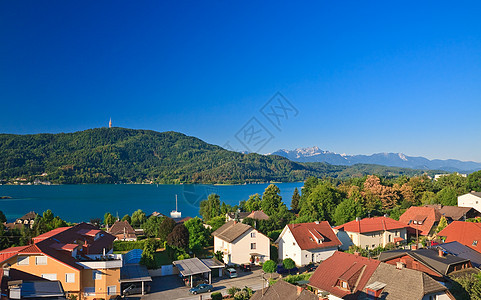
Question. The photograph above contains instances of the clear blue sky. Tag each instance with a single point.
(365, 77)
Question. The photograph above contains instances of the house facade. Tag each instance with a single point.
(472, 199)
(307, 242)
(241, 243)
(122, 231)
(79, 257)
(369, 233)
(422, 220)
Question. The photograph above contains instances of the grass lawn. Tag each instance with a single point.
(161, 258)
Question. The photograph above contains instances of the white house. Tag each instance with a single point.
(307, 242)
(241, 243)
(472, 199)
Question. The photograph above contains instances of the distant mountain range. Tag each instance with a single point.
(314, 154)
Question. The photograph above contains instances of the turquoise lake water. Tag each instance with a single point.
(76, 203)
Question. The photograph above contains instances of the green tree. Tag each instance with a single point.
(442, 224)
(127, 218)
(109, 219)
(152, 226)
(219, 256)
(216, 222)
(271, 200)
(348, 210)
(179, 237)
(269, 266)
(138, 218)
(48, 215)
(3, 219)
(210, 207)
(288, 264)
(253, 203)
(198, 235)
(148, 254)
(447, 196)
(295, 200)
(474, 181)
(166, 227)
(321, 203)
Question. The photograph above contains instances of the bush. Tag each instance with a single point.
(127, 245)
(233, 290)
(269, 266)
(293, 279)
(288, 264)
(216, 296)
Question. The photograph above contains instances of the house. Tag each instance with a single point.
(397, 282)
(27, 219)
(460, 250)
(241, 243)
(79, 257)
(256, 215)
(466, 233)
(370, 233)
(422, 220)
(122, 231)
(282, 290)
(307, 242)
(455, 213)
(434, 262)
(342, 276)
(472, 199)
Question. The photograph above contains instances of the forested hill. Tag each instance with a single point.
(108, 155)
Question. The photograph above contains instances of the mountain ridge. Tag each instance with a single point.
(315, 154)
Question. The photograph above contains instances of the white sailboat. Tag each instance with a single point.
(175, 214)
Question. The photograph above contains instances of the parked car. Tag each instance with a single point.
(136, 288)
(245, 267)
(282, 270)
(201, 288)
(231, 272)
(311, 267)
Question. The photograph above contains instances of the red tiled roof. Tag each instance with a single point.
(49, 234)
(355, 270)
(466, 233)
(9, 252)
(398, 239)
(30, 249)
(428, 216)
(371, 225)
(307, 234)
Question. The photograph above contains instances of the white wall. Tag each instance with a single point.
(470, 200)
(437, 296)
(376, 238)
(288, 247)
(240, 249)
(319, 255)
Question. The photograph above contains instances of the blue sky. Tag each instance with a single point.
(365, 77)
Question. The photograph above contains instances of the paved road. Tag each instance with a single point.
(171, 287)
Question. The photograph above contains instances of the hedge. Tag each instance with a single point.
(128, 245)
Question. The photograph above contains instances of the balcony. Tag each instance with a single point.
(111, 261)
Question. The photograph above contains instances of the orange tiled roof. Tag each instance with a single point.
(466, 233)
(307, 234)
(426, 217)
(372, 225)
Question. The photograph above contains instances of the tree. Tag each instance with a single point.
(179, 237)
(288, 264)
(348, 210)
(474, 181)
(48, 215)
(198, 235)
(447, 196)
(210, 208)
(109, 219)
(321, 203)
(152, 226)
(216, 222)
(219, 256)
(127, 218)
(166, 227)
(269, 266)
(295, 200)
(3, 219)
(96, 222)
(442, 224)
(148, 259)
(253, 203)
(138, 218)
(271, 200)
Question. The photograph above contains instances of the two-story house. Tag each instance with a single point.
(370, 233)
(79, 257)
(307, 242)
(472, 199)
(241, 243)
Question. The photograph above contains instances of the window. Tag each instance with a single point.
(70, 277)
(475, 243)
(343, 284)
(96, 275)
(112, 290)
(50, 276)
(253, 234)
(22, 260)
(40, 260)
(253, 246)
(397, 233)
(89, 291)
(389, 238)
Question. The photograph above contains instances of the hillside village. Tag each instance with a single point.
(261, 249)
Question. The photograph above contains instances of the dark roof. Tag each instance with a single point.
(404, 283)
(456, 213)
(307, 235)
(29, 216)
(191, 266)
(282, 290)
(258, 215)
(460, 250)
(122, 227)
(41, 289)
(241, 215)
(134, 273)
(213, 263)
(231, 230)
(354, 269)
(477, 194)
(372, 225)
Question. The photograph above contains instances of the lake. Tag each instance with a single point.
(77, 203)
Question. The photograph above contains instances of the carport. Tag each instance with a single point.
(191, 267)
(135, 273)
(213, 264)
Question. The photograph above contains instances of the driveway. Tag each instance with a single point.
(171, 287)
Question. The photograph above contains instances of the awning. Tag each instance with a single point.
(212, 263)
(134, 273)
(191, 266)
(256, 254)
(398, 239)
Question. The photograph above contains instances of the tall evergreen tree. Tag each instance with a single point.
(271, 200)
(295, 200)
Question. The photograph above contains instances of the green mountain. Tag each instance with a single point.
(108, 155)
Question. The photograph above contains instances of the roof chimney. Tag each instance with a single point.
(357, 253)
(6, 270)
(440, 252)
(400, 265)
(317, 222)
(414, 247)
(358, 219)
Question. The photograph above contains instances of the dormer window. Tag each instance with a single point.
(475, 243)
(343, 284)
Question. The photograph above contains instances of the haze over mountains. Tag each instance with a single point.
(314, 154)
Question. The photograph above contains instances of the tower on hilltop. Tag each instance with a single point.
(110, 123)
